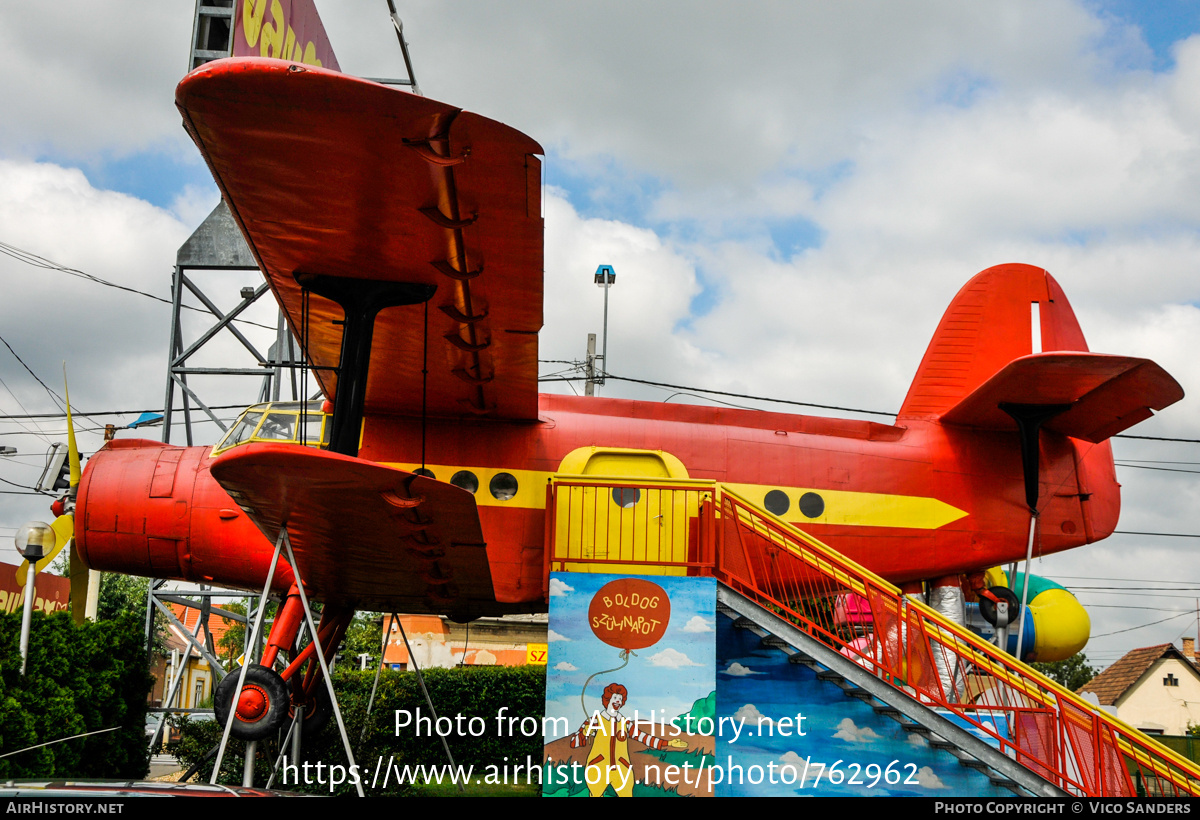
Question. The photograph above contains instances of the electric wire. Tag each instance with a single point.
(36, 261)
(798, 403)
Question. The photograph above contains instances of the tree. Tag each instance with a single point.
(120, 594)
(364, 637)
(1071, 673)
(231, 644)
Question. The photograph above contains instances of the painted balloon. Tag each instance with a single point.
(630, 613)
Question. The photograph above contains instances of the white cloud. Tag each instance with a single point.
(854, 734)
(750, 715)
(792, 759)
(737, 670)
(552, 636)
(698, 624)
(929, 779)
(914, 145)
(559, 589)
(671, 659)
(566, 667)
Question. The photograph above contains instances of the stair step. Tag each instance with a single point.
(861, 694)
(916, 729)
(800, 657)
(972, 763)
(887, 710)
(830, 675)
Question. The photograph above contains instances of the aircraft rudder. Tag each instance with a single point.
(1001, 314)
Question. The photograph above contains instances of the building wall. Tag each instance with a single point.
(437, 642)
(1151, 706)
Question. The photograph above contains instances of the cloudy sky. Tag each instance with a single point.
(790, 193)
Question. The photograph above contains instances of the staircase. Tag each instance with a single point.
(930, 675)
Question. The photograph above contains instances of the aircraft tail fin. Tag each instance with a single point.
(1004, 313)
(1010, 337)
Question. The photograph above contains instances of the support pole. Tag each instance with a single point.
(27, 614)
(253, 638)
(428, 700)
(248, 762)
(375, 687)
(1033, 520)
(312, 627)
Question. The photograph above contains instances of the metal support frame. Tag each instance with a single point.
(283, 543)
(216, 245)
(212, 33)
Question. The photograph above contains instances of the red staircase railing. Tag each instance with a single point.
(704, 528)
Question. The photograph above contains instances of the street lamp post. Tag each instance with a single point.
(33, 540)
(605, 278)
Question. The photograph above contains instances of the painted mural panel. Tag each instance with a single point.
(630, 687)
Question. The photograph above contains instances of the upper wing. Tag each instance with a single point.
(329, 174)
(1107, 394)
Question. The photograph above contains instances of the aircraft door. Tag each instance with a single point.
(604, 523)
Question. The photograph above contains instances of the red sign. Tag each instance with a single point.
(283, 29)
(51, 592)
(630, 613)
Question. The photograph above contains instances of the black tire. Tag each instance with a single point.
(316, 714)
(988, 609)
(265, 697)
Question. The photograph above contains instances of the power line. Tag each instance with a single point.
(796, 403)
(1143, 626)
(75, 412)
(1160, 469)
(57, 398)
(33, 259)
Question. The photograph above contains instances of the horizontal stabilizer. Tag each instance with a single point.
(1107, 394)
(365, 534)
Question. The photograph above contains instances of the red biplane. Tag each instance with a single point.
(402, 237)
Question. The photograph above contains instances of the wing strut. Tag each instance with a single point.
(360, 300)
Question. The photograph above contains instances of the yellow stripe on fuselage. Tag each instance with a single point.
(531, 484)
(841, 507)
(850, 509)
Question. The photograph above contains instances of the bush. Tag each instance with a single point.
(472, 691)
(79, 679)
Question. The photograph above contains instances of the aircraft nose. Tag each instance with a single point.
(151, 509)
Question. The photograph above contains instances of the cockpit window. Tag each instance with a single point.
(241, 431)
(278, 426)
(278, 422)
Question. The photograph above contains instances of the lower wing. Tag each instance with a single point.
(366, 535)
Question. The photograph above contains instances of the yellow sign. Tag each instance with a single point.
(535, 654)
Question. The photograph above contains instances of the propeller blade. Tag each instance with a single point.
(72, 447)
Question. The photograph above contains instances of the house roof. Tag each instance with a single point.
(1116, 680)
(188, 617)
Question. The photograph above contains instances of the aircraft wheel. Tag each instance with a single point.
(262, 706)
(316, 714)
(988, 609)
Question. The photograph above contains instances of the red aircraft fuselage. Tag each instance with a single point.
(919, 499)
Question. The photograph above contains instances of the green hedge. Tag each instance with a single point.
(473, 691)
(79, 679)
